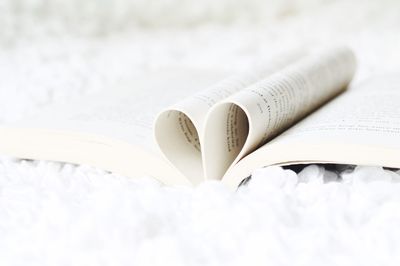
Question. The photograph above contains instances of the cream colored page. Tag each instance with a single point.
(360, 126)
(112, 130)
(196, 106)
(367, 114)
(178, 129)
(125, 113)
(243, 122)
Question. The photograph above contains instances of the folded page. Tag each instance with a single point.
(249, 118)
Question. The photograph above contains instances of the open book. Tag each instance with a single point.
(185, 126)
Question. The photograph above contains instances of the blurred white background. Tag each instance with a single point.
(48, 45)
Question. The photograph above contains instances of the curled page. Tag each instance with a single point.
(249, 118)
(178, 129)
(361, 126)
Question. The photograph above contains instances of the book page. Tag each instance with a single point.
(367, 114)
(126, 113)
(361, 126)
(248, 119)
(178, 129)
(121, 116)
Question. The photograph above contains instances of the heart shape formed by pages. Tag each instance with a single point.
(206, 135)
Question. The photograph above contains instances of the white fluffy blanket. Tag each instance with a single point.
(60, 214)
